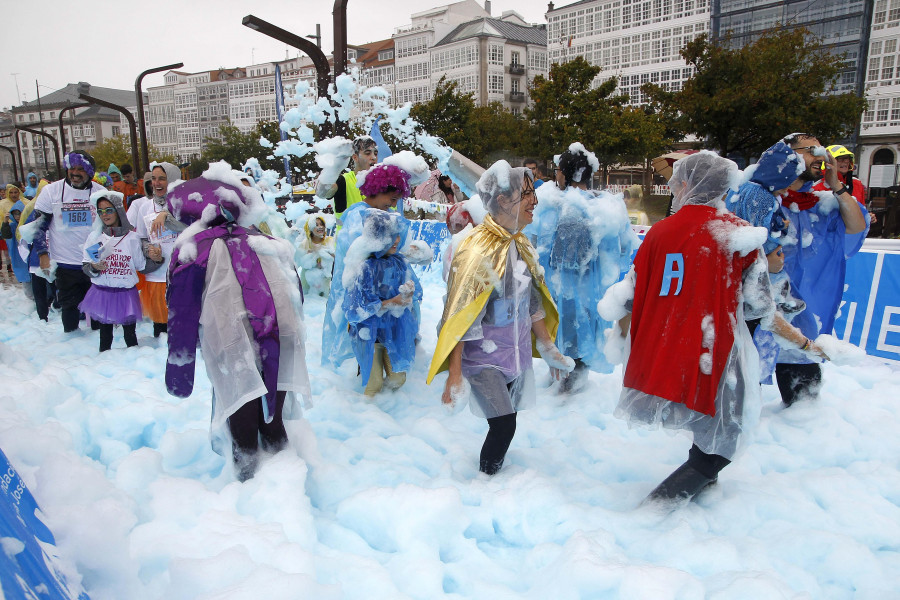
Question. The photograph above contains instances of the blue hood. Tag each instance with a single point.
(777, 167)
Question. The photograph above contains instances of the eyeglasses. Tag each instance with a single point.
(810, 148)
(106, 211)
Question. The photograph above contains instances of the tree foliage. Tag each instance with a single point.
(236, 147)
(568, 108)
(743, 100)
(117, 150)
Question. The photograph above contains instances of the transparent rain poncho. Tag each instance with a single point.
(710, 240)
(497, 351)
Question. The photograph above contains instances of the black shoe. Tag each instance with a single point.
(684, 483)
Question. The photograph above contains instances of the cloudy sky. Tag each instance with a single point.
(109, 43)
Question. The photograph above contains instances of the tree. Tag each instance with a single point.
(567, 108)
(235, 147)
(446, 116)
(743, 100)
(117, 150)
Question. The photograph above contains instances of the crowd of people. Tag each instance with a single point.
(728, 292)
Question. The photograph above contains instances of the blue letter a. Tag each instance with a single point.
(674, 270)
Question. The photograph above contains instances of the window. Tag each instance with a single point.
(514, 58)
(411, 46)
(495, 54)
(88, 131)
(514, 86)
(890, 46)
(386, 54)
(881, 113)
(887, 69)
(495, 83)
(116, 130)
(874, 65)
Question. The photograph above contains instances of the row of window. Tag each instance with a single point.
(258, 110)
(163, 135)
(188, 100)
(414, 95)
(454, 58)
(411, 46)
(612, 16)
(252, 88)
(886, 15)
(412, 72)
(882, 113)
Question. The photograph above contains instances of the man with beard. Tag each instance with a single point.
(65, 216)
(345, 191)
(825, 229)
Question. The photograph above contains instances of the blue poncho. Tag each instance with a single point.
(585, 244)
(20, 267)
(336, 347)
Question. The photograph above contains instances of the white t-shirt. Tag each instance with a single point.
(123, 257)
(141, 214)
(73, 216)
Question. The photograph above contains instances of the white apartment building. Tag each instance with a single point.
(879, 140)
(413, 44)
(638, 41)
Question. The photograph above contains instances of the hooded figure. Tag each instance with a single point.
(498, 313)
(156, 228)
(315, 254)
(585, 243)
(383, 186)
(697, 278)
(381, 295)
(240, 285)
(19, 264)
(31, 184)
(112, 258)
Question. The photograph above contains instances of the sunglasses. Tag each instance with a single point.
(106, 211)
(810, 148)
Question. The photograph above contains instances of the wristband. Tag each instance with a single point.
(805, 345)
(843, 190)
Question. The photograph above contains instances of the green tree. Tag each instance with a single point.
(117, 150)
(446, 116)
(743, 100)
(235, 147)
(568, 108)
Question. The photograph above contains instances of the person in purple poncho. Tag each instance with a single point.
(241, 286)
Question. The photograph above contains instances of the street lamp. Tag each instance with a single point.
(62, 129)
(131, 125)
(52, 139)
(139, 95)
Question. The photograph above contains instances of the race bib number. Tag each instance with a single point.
(94, 252)
(76, 215)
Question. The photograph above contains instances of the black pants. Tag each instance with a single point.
(708, 464)
(499, 436)
(248, 426)
(43, 296)
(71, 286)
(106, 335)
(798, 381)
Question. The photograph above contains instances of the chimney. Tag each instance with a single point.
(84, 88)
(487, 6)
(550, 7)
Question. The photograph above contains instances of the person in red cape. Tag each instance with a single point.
(698, 279)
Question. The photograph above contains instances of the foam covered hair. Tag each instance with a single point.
(500, 179)
(381, 178)
(80, 159)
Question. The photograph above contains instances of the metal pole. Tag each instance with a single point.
(340, 36)
(41, 121)
(21, 162)
(323, 76)
(55, 146)
(144, 166)
(13, 155)
(62, 129)
(131, 124)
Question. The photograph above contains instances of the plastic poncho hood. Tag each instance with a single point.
(501, 179)
(702, 179)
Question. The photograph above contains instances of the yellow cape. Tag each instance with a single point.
(478, 264)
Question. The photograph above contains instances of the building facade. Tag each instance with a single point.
(637, 41)
(83, 127)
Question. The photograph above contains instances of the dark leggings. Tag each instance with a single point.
(43, 296)
(797, 381)
(248, 426)
(106, 335)
(71, 286)
(499, 436)
(708, 464)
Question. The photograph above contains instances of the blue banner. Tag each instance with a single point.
(27, 562)
(375, 133)
(279, 115)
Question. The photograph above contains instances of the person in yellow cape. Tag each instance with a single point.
(498, 314)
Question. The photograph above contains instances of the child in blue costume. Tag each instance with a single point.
(383, 186)
(379, 303)
(585, 243)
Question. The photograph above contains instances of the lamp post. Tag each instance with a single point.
(144, 166)
(320, 61)
(52, 139)
(62, 129)
(339, 15)
(11, 153)
(131, 124)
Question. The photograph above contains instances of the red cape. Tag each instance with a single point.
(667, 330)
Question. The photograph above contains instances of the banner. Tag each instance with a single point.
(279, 112)
(27, 563)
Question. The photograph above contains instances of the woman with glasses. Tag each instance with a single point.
(498, 314)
